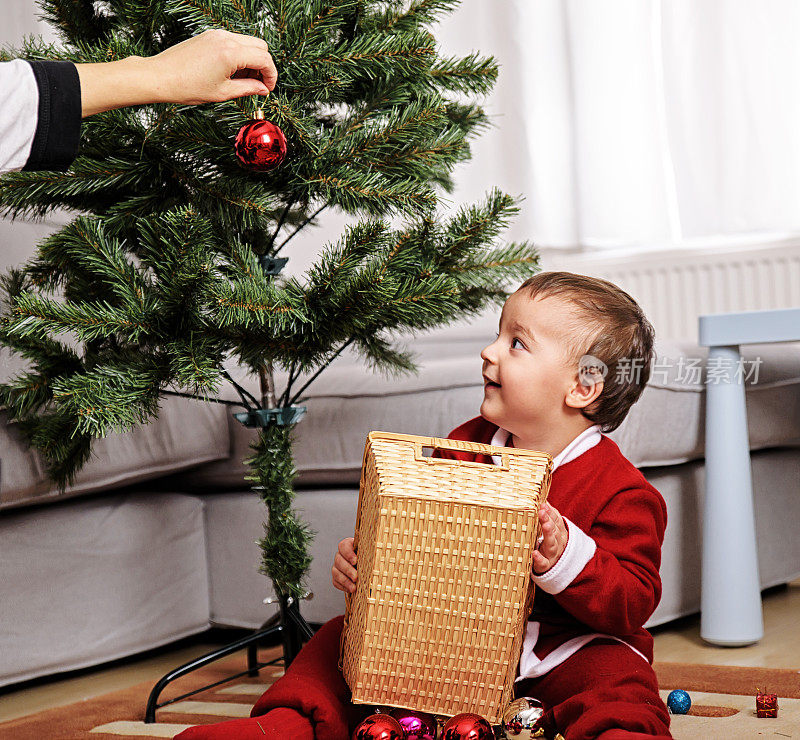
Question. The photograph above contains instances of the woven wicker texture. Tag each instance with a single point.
(445, 551)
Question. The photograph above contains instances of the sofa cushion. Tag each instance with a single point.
(186, 433)
(234, 522)
(665, 427)
(97, 579)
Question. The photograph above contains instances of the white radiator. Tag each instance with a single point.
(676, 286)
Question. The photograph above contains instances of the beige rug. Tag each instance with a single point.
(723, 705)
(119, 715)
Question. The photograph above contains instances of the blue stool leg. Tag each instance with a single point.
(731, 595)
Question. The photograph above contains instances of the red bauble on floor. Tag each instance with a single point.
(467, 726)
(379, 727)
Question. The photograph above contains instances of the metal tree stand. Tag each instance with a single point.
(287, 622)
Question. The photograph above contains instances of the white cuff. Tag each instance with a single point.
(579, 550)
(19, 117)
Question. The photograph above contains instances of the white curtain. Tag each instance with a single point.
(640, 123)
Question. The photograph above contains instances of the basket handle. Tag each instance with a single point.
(459, 445)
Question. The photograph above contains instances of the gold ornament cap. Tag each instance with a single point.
(259, 115)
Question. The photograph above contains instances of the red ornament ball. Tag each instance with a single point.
(379, 727)
(467, 726)
(417, 725)
(260, 145)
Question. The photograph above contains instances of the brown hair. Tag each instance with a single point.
(607, 324)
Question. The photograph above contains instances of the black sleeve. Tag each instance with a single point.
(55, 143)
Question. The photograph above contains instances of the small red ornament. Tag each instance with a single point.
(260, 145)
(379, 727)
(766, 704)
(467, 726)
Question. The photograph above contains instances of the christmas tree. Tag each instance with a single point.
(170, 271)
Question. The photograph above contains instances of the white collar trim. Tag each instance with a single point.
(587, 439)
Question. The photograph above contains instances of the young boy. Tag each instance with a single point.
(555, 378)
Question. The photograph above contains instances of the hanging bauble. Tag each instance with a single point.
(520, 718)
(417, 725)
(260, 145)
(467, 726)
(379, 727)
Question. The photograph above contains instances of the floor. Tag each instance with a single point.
(679, 642)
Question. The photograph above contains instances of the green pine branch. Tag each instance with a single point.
(195, 362)
(471, 74)
(399, 19)
(236, 16)
(250, 301)
(319, 21)
(35, 315)
(156, 284)
(76, 20)
(64, 449)
(83, 248)
(286, 540)
(110, 398)
(87, 183)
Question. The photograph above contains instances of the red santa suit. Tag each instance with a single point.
(585, 653)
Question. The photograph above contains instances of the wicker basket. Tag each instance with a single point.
(445, 551)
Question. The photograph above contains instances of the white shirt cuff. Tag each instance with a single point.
(18, 116)
(579, 551)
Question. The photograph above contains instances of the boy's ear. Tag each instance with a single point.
(587, 387)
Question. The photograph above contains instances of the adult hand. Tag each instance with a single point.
(213, 66)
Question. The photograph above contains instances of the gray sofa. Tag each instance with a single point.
(157, 538)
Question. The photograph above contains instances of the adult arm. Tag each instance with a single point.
(45, 100)
(40, 115)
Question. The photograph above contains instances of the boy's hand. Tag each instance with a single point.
(344, 566)
(554, 539)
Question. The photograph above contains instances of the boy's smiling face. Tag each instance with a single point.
(530, 382)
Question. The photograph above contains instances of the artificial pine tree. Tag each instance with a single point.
(167, 275)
